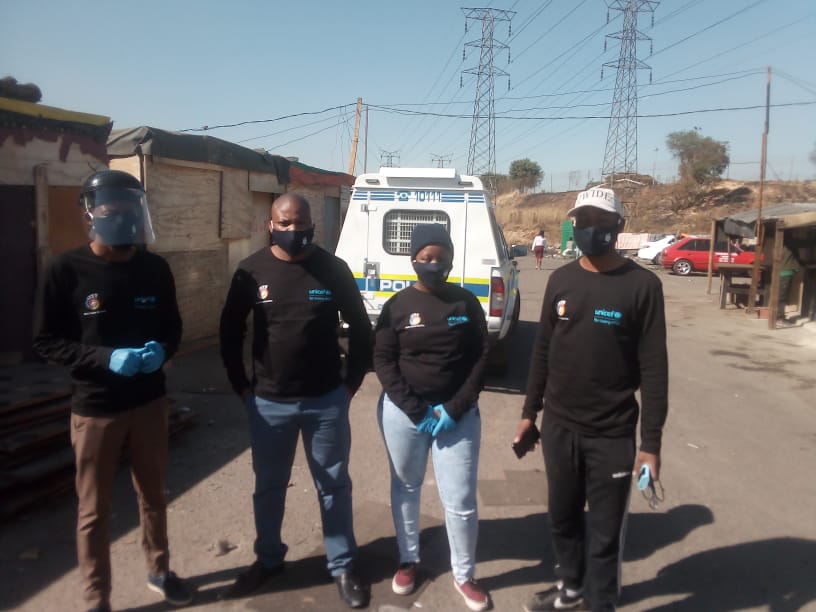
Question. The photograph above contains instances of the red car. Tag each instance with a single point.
(690, 254)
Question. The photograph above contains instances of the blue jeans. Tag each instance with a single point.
(456, 461)
(273, 428)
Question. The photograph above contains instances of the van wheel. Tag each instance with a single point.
(682, 267)
(516, 312)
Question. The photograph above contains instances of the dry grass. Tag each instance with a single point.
(661, 209)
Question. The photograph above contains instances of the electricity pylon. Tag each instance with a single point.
(482, 150)
(620, 157)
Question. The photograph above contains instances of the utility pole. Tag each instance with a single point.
(760, 230)
(482, 150)
(389, 158)
(365, 145)
(620, 157)
(356, 139)
(440, 160)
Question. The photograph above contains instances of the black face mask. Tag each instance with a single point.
(595, 240)
(432, 275)
(293, 242)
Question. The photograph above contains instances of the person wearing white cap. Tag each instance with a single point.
(602, 335)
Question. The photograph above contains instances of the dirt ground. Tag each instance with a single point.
(736, 530)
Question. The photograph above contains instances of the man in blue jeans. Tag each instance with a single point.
(295, 290)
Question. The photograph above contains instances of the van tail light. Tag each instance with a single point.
(497, 297)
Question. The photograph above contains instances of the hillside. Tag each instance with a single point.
(659, 209)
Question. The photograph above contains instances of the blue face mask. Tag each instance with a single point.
(120, 229)
(595, 240)
(293, 242)
(432, 275)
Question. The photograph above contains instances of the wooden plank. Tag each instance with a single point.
(34, 401)
(38, 414)
(52, 473)
(184, 207)
(236, 205)
(37, 469)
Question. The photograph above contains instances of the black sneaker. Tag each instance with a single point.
(170, 586)
(555, 598)
(251, 580)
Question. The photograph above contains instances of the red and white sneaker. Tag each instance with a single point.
(474, 595)
(405, 579)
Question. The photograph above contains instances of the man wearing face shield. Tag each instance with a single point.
(108, 312)
(295, 290)
(602, 335)
(430, 352)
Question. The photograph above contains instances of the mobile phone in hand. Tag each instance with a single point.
(527, 442)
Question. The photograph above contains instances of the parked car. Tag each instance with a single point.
(690, 254)
(652, 249)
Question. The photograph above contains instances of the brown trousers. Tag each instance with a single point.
(98, 444)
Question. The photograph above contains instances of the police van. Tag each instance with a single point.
(375, 242)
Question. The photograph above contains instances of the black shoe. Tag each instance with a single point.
(170, 586)
(555, 598)
(352, 590)
(252, 579)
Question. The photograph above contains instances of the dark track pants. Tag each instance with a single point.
(583, 469)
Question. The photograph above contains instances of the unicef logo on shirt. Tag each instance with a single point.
(608, 317)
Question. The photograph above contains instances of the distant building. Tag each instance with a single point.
(210, 207)
(46, 154)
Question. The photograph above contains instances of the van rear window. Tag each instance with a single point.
(398, 225)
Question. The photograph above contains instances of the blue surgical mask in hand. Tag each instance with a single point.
(152, 357)
(426, 425)
(445, 422)
(644, 478)
(125, 361)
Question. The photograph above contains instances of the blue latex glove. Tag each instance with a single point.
(445, 423)
(152, 357)
(125, 361)
(427, 424)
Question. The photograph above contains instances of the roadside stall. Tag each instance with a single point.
(787, 229)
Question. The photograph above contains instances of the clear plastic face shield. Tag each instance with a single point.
(119, 217)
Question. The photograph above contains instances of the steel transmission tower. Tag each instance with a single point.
(482, 151)
(620, 157)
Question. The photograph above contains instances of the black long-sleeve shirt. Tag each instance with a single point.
(601, 336)
(88, 307)
(295, 307)
(431, 349)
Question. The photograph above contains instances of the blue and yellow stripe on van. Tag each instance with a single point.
(388, 284)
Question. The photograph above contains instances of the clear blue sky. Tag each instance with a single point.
(186, 64)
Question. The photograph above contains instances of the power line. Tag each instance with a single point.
(708, 27)
(399, 111)
(206, 128)
(283, 131)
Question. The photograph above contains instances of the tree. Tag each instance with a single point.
(527, 173)
(701, 157)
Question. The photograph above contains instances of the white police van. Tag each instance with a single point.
(375, 242)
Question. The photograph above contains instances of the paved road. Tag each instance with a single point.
(736, 531)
